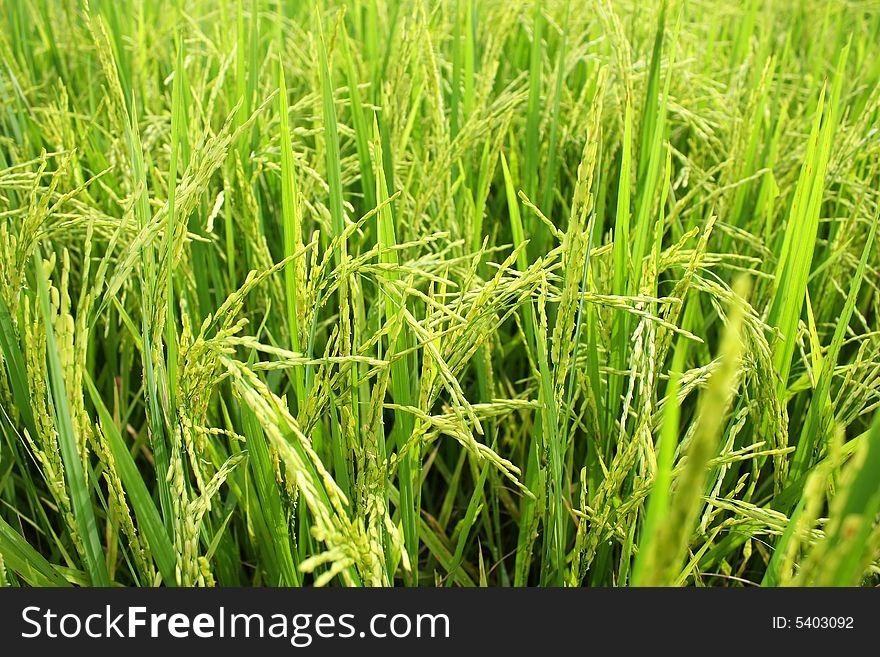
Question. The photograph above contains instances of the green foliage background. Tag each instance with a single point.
(439, 293)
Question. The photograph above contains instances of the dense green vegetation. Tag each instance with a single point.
(439, 293)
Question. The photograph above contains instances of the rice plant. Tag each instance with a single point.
(459, 293)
